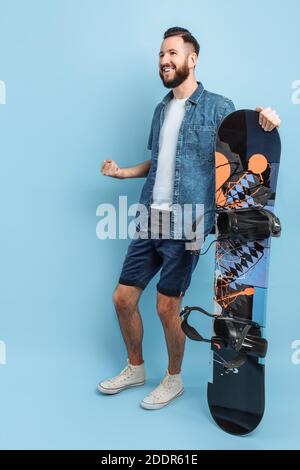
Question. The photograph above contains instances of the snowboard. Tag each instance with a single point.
(247, 164)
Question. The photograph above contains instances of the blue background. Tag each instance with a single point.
(82, 82)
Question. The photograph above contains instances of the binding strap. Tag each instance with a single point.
(232, 333)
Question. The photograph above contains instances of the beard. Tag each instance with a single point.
(180, 75)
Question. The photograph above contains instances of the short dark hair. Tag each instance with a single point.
(186, 36)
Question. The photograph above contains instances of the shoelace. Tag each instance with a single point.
(165, 385)
(126, 373)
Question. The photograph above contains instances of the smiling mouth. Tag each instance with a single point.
(168, 69)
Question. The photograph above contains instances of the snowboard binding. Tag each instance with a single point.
(247, 224)
(238, 334)
(244, 224)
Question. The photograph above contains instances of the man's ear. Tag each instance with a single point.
(192, 59)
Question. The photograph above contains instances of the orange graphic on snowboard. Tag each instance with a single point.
(257, 164)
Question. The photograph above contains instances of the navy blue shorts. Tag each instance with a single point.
(145, 257)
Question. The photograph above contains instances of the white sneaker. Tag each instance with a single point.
(170, 388)
(130, 376)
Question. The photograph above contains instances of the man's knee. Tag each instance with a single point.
(167, 307)
(125, 299)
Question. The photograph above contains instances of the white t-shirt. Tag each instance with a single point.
(164, 181)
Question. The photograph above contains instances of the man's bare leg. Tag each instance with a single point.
(168, 309)
(171, 387)
(126, 304)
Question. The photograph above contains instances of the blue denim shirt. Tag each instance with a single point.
(194, 179)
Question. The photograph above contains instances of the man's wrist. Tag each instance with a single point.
(121, 173)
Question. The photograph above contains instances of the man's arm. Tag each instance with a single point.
(111, 168)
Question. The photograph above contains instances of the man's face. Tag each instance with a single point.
(176, 61)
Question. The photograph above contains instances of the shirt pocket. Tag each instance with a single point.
(200, 143)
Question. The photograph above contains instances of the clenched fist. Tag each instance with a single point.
(110, 168)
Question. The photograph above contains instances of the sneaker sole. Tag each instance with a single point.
(113, 391)
(157, 406)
